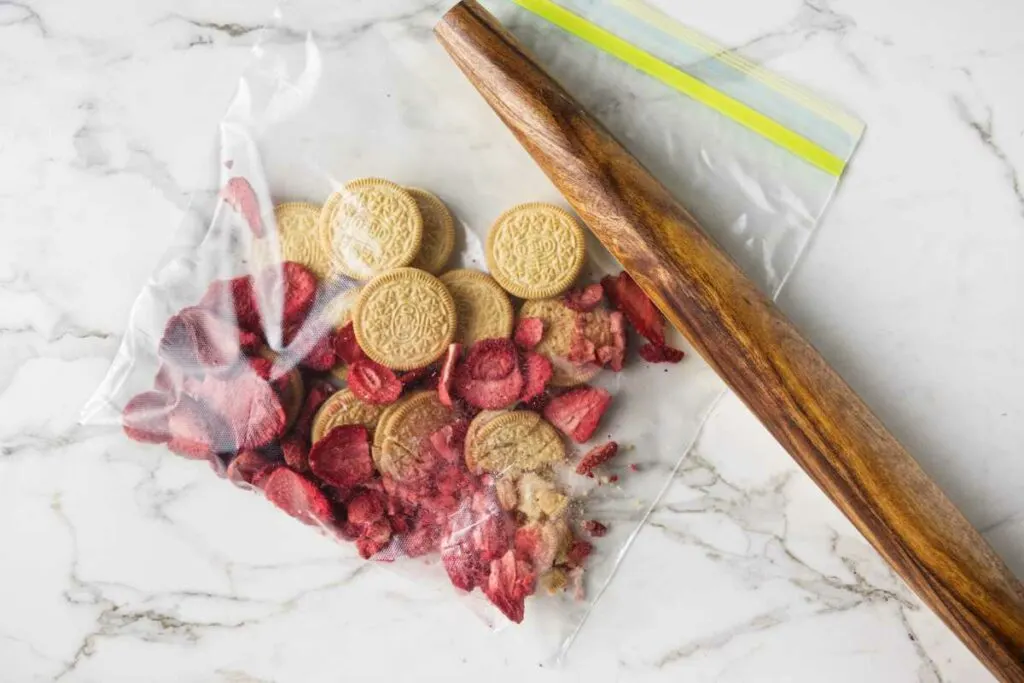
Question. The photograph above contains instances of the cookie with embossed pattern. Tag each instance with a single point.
(298, 238)
(344, 408)
(397, 446)
(535, 251)
(405, 319)
(483, 308)
(559, 324)
(438, 232)
(370, 226)
(518, 441)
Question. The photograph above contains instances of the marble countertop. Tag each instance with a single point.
(124, 564)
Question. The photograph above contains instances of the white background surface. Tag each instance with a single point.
(123, 564)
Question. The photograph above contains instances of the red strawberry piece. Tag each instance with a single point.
(413, 376)
(578, 412)
(346, 347)
(584, 300)
(365, 508)
(342, 457)
(259, 478)
(169, 379)
(317, 353)
(372, 382)
(248, 405)
(529, 332)
(490, 377)
(423, 538)
(626, 296)
(250, 342)
(493, 530)
(263, 367)
(233, 300)
(449, 441)
(538, 371)
(196, 340)
(295, 452)
(375, 538)
(510, 582)
(444, 385)
(595, 528)
(465, 569)
(654, 353)
(599, 337)
(319, 392)
(297, 496)
(595, 457)
(527, 542)
(248, 466)
(578, 553)
(193, 433)
(144, 418)
(238, 193)
(300, 288)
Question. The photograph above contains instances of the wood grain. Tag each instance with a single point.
(813, 413)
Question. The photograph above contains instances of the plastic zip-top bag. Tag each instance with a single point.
(389, 324)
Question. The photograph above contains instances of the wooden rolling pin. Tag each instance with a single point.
(813, 413)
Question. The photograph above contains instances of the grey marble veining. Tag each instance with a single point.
(119, 563)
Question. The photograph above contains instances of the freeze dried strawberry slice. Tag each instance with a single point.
(595, 457)
(169, 379)
(465, 569)
(249, 407)
(538, 371)
(297, 496)
(144, 418)
(449, 440)
(295, 452)
(234, 299)
(238, 193)
(346, 347)
(196, 341)
(373, 383)
(529, 332)
(595, 528)
(374, 539)
(578, 553)
(262, 367)
(578, 412)
(423, 538)
(193, 433)
(493, 529)
(318, 355)
(584, 300)
(444, 384)
(250, 466)
(510, 582)
(365, 508)
(300, 287)
(342, 457)
(490, 377)
(654, 353)
(626, 295)
(319, 392)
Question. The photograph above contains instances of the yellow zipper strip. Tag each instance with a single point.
(681, 81)
(663, 22)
